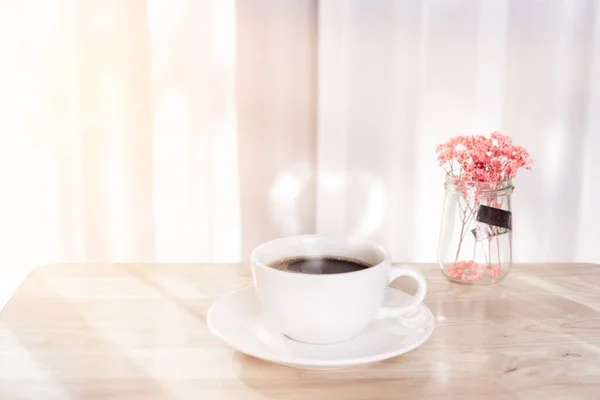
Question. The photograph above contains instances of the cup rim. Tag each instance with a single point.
(379, 248)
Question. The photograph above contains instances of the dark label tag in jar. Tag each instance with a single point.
(495, 217)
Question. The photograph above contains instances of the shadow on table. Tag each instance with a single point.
(56, 353)
(406, 377)
(188, 307)
(279, 382)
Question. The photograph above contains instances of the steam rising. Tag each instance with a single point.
(345, 203)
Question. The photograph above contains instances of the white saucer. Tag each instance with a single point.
(238, 320)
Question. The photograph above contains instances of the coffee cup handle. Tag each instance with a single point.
(396, 311)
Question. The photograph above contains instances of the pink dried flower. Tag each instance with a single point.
(494, 271)
(521, 156)
(465, 270)
(496, 164)
(502, 142)
(482, 159)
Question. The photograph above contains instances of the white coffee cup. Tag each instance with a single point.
(328, 308)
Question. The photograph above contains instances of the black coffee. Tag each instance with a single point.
(319, 265)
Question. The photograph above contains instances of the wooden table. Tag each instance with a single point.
(139, 332)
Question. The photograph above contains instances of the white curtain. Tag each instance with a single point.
(118, 131)
(190, 131)
(398, 77)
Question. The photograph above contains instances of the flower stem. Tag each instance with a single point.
(462, 229)
(498, 239)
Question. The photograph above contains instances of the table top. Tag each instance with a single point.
(135, 331)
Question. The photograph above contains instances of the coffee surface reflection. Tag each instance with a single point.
(319, 265)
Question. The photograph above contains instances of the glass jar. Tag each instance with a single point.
(475, 243)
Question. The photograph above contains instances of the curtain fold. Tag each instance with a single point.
(187, 131)
(276, 118)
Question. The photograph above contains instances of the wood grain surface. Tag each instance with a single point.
(139, 332)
